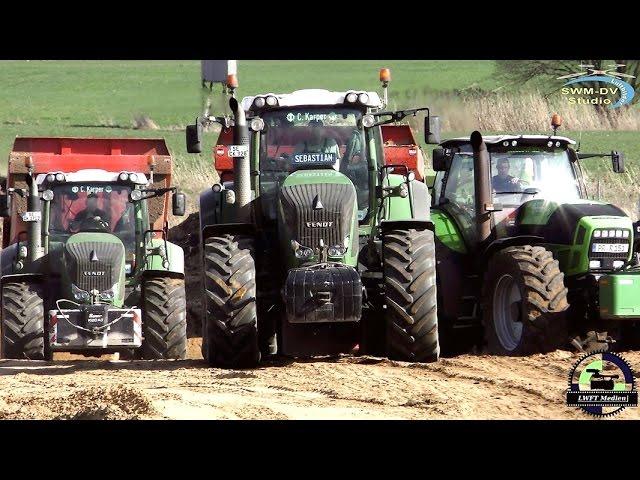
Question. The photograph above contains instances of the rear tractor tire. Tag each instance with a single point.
(164, 324)
(410, 295)
(231, 320)
(524, 302)
(23, 322)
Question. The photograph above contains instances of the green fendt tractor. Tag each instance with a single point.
(523, 253)
(309, 236)
(86, 266)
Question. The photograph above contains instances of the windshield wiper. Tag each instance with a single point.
(524, 192)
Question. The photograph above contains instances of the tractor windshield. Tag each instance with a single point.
(521, 175)
(313, 137)
(92, 207)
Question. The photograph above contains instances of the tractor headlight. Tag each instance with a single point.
(596, 233)
(368, 121)
(625, 234)
(618, 263)
(304, 253)
(257, 124)
(109, 294)
(47, 195)
(79, 294)
(133, 177)
(351, 97)
(595, 263)
(60, 177)
(272, 101)
(363, 98)
(605, 233)
(51, 178)
(123, 177)
(135, 195)
(259, 102)
(337, 251)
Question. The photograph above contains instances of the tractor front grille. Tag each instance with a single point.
(609, 241)
(94, 265)
(322, 211)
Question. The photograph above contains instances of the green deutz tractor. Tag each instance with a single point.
(523, 254)
(310, 237)
(86, 267)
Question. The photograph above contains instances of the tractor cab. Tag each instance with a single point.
(95, 201)
(312, 130)
(522, 169)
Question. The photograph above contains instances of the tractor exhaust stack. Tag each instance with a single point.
(34, 227)
(482, 186)
(241, 167)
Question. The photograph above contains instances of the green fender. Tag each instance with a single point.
(398, 208)
(175, 256)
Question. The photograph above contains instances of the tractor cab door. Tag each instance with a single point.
(456, 195)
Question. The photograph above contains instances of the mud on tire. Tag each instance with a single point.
(410, 295)
(543, 307)
(231, 322)
(164, 325)
(23, 322)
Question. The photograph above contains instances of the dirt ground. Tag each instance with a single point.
(464, 387)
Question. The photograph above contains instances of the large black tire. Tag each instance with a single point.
(23, 322)
(231, 323)
(410, 295)
(542, 306)
(164, 319)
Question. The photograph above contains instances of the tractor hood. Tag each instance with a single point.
(584, 235)
(94, 262)
(557, 221)
(318, 209)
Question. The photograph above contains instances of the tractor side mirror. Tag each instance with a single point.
(432, 130)
(441, 159)
(5, 205)
(194, 137)
(617, 161)
(179, 204)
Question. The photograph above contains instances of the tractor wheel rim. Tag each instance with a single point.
(507, 303)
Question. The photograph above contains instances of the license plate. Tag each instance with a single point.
(610, 247)
(235, 151)
(31, 216)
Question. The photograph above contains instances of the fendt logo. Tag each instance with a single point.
(319, 224)
(94, 274)
(600, 95)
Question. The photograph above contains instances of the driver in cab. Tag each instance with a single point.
(503, 182)
(318, 141)
(90, 213)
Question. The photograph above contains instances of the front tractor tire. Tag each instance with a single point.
(231, 320)
(164, 324)
(410, 295)
(23, 322)
(524, 302)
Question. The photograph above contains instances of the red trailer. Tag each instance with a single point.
(66, 154)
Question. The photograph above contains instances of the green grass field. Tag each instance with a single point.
(102, 98)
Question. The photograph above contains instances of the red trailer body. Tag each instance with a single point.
(66, 154)
(401, 148)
